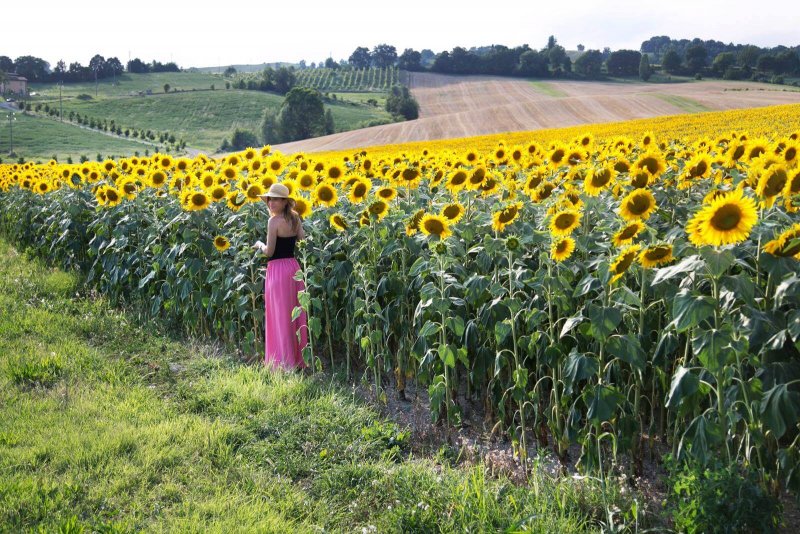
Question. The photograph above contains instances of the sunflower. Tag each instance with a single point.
(727, 220)
(787, 244)
(543, 191)
(652, 162)
(476, 178)
(639, 204)
(598, 179)
(378, 209)
(771, 183)
(306, 181)
(236, 200)
(334, 172)
(457, 181)
(386, 193)
(325, 194)
(412, 225)
(218, 193)
(755, 148)
(165, 163)
(196, 201)
(557, 155)
(505, 216)
(431, 224)
(410, 177)
(253, 192)
(625, 235)
(359, 190)
(696, 168)
(562, 249)
(790, 153)
(363, 220)
(623, 261)
(229, 173)
(655, 256)
(128, 187)
(157, 178)
(208, 180)
(640, 179)
(302, 207)
(274, 164)
(648, 140)
(564, 222)
(337, 222)
(221, 243)
(452, 212)
(622, 165)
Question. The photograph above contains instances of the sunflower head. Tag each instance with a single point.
(623, 261)
(562, 248)
(639, 204)
(626, 234)
(436, 225)
(337, 222)
(325, 194)
(564, 222)
(221, 243)
(505, 216)
(727, 220)
(655, 256)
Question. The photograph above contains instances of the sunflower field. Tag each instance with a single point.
(611, 294)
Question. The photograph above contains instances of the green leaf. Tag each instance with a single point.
(456, 325)
(603, 404)
(628, 349)
(570, 323)
(688, 264)
(296, 311)
(447, 355)
(315, 327)
(502, 329)
(578, 367)
(717, 261)
(429, 328)
(793, 325)
(712, 348)
(604, 321)
(780, 409)
(689, 309)
(703, 435)
(684, 385)
(588, 284)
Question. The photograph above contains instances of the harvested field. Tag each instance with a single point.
(462, 106)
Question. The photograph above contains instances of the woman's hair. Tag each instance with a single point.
(290, 215)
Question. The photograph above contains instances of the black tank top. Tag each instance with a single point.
(284, 247)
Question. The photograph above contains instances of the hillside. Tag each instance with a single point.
(461, 106)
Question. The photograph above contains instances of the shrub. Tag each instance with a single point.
(721, 499)
(84, 96)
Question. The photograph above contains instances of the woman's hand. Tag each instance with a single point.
(259, 246)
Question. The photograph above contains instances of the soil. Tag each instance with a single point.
(463, 106)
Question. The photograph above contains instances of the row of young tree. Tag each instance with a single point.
(38, 70)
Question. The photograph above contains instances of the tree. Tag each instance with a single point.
(557, 57)
(270, 127)
(166, 88)
(228, 72)
(551, 42)
(671, 62)
(532, 63)
(242, 139)
(644, 68)
(748, 56)
(302, 114)
(723, 62)
(410, 60)
(6, 64)
(98, 65)
(581, 48)
(384, 55)
(696, 56)
(401, 103)
(589, 64)
(137, 66)
(360, 58)
(33, 68)
(427, 57)
(285, 79)
(113, 66)
(331, 64)
(330, 126)
(624, 63)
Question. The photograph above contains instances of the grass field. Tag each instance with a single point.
(683, 103)
(37, 138)
(131, 83)
(114, 427)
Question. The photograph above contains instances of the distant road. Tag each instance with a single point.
(463, 106)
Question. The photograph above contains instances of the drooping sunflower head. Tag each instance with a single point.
(221, 243)
(378, 209)
(505, 216)
(727, 220)
(412, 225)
(337, 222)
(564, 222)
(623, 260)
(626, 234)
(655, 256)
(771, 182)
(431, 224)
(598, 179)
(562, 248)
(639, 204)
(787, 244)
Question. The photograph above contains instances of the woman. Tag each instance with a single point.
(283, 349)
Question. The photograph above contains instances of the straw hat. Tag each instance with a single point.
(276, 191)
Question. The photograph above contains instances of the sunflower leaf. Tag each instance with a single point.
(717, 261)
(684, 385)
(712, 348)
(578, 367)
(604, 320)
(780, 409)
(689, 309)
(688, 264)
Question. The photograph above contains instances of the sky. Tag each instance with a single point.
(204, 34)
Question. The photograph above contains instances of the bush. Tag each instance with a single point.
(722, 499)
(777, 80)
(242, 139)
(84, 96)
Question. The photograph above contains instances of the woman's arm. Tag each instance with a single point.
(301, 234)
(272, 233)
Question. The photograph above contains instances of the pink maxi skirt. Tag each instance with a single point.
(283, 348)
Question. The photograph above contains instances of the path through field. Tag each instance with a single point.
(462, 106)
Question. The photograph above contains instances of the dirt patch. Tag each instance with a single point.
(464, 106)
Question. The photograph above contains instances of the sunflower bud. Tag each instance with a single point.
(512, 243)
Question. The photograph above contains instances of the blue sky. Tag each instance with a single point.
(235, 32)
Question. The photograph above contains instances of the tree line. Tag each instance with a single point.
(38, 70)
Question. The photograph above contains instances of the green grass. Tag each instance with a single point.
(548, 89)
(38, 139)
(204, 118)
(688, 105)
(111, 426)
(130, 83)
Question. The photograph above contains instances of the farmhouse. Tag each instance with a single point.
(13, 84)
